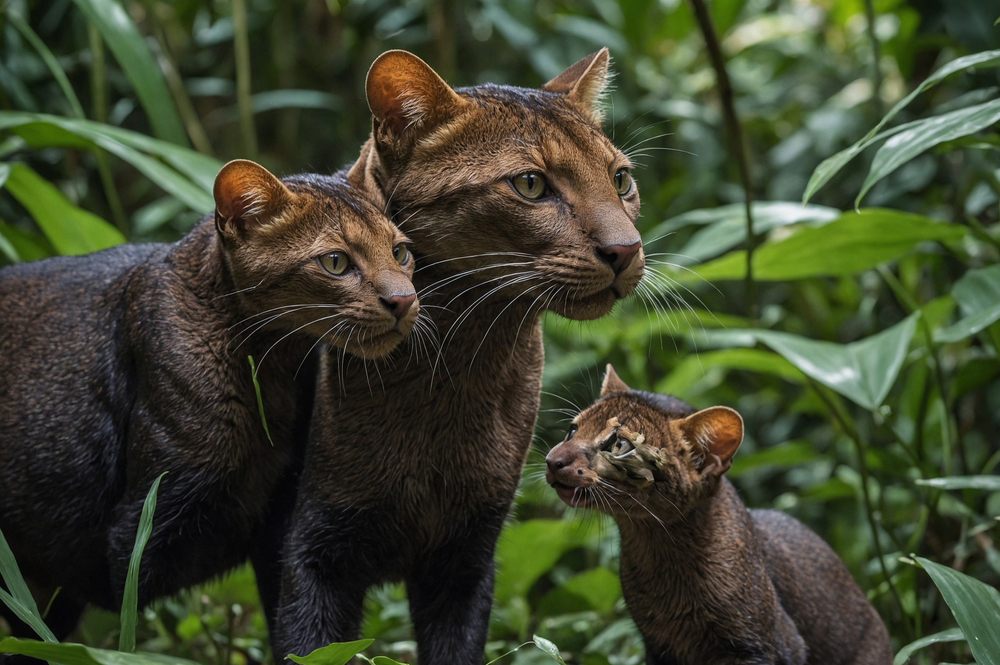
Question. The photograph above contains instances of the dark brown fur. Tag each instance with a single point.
(411, 470)
(124, 364)
(707, 581)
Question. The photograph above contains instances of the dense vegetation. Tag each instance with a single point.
(862, 349)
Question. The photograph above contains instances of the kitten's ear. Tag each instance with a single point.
(404, 92)
(719, 431)
(584, 83)
(247, 195)
(613, 384)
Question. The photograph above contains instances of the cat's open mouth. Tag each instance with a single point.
(571, 496)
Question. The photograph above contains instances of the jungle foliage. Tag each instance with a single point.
(862, 349)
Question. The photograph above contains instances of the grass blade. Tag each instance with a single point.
(130, 599)
(19, 600)
(260, 402)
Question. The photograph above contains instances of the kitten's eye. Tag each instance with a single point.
(623, 182)
(334, 263)
(401, 254)
(571, 432)
(531, 185)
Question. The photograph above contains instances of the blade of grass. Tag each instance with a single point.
(260, 402)
(19, 599)
(130, 598)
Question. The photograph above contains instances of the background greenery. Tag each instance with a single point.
(862, 352)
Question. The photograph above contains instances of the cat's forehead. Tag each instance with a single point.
(338, 213)
(638, 409)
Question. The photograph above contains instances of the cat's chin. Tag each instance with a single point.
(377, 346)
(589, 307)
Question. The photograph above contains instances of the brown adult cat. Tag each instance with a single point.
(516, 203)
(126, 363)
(705, 580)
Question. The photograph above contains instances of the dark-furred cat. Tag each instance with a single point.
(516, 203)
(121, 365)
(705, 580)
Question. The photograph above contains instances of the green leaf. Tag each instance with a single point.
(852, 243)
(130, 598)
(862, 371)
(830, 166)
(926, 134)
(791, 453)
(978, 294)
(338, 653)
(596, 589)
(19, 598)
(133, 56)
(77, 654)
(950, 635)
(385, 660)
(988, 483)
(976, 607)
(549, 648)
(29, 247)
(547, 540)
(71, 230)
(260, 402)
(49, 59)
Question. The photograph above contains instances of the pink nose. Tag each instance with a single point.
(565, 461)
(399, 304)
(619, 256)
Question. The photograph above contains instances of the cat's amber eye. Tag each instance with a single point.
(401, 254)
(335, 263)
(623, 182)
(530, 185)
(570, 433)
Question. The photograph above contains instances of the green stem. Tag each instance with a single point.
(737, 140)
(876, 57)
(99, 110)
(244, 103)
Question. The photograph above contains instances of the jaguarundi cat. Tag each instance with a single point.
(123, 364)
(517, 204)
(706, 580)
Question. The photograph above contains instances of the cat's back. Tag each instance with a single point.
(817, 590)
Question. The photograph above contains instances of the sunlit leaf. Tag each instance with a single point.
(338, 653)
(988, 483)
(852, 243)
(130, 597)
(549, 648)
(135, 59)
(926, 134)
(71, 230)
(950, 635)
(976, 607)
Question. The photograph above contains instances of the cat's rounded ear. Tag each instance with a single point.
(612, 383)
(719, 431)
(584, 83)
(404, 92)
(247, 195)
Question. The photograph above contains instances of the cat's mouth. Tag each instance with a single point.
(575, 497)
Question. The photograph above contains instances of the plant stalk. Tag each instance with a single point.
(244, 103)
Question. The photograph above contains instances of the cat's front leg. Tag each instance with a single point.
(450, 600)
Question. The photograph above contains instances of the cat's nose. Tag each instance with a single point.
(619, 256)
(399, 304)
(563, 458)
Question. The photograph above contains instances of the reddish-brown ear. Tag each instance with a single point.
(719, 431)
(613, 384)
(404, 92)
(247, 195)
(584, 82)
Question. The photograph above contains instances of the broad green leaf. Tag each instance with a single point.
(862, 371)
(187, 175)
(8, 249)
(134, 57)
(337, 653)
(547, 540)
(130, 598)
(726, 226)
(19, 598)
(852, 243)
(950, 635)
(71, 230)
(595, 589)
(696, 367)
(783, 455)
(978, 294)
(988, 483)
(976, 607)
(549, 648)
(928, 133)
(77, 654)
(29, 247)
(830, 166)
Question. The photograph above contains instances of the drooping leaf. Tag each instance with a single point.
(77, 654)
(852, 243)
(976, 607)
(130, 597)
(549, 648)
(70, 229)
(338, 653)
(926, 134)
(862, 371)
(988, 483)
(134, 57)
(832, 165)
(950, 635)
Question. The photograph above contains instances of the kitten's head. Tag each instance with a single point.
(641, 455)
(311, 254)
(519, 186)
